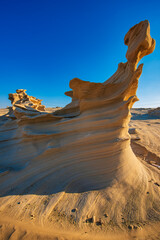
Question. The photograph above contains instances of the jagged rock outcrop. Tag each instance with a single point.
(80, 156)
(24, 105)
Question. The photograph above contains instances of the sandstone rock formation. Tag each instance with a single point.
(80, 157)
(24, 104)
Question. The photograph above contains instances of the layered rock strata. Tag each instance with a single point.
(23, 104)
(80, 157)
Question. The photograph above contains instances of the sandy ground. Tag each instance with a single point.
(76, 173)
(145, 134)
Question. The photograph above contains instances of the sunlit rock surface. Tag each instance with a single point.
(79, 157)
(23, 104)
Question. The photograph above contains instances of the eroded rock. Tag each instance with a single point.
(23, 104)
(80, 155)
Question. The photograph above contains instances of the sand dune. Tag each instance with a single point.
(72, 172)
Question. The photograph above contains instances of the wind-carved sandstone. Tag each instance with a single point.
(23, 104)
(84, 148)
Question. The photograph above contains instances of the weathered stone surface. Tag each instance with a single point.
(80, 155)
(24, 104)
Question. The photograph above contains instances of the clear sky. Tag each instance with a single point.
(46, 43)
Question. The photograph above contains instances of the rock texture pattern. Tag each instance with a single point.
(24, 104)
(80, 157)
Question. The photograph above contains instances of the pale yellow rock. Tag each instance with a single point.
(139, 42)
(80, 157)
(21, 98)
(25, 105)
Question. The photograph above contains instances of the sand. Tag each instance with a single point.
(76, 172)
(20, 218)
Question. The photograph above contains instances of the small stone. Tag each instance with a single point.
(18, 202)
(99, 223)
(91, 220)
(74, 210)
(135, 227)
(106, 215)
(130, 227)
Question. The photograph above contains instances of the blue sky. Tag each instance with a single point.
(44, 44)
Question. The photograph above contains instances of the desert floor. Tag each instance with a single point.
(145, 142)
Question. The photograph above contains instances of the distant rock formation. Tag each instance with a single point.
(83, 148)
(24, 104)
(154, 112)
